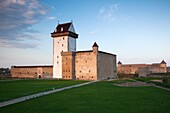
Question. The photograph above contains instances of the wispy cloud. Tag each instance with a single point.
(17, 18)
(51, 18)
(94, 32)
(108, 12)
(16, 44)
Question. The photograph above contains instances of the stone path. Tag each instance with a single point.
(132, 84)
(160, 87)
(139, 83)
(21, 99)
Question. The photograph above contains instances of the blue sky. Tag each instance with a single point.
(137, 31)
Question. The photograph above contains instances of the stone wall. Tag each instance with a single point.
(130, 68)
(32, 71)
(106, 64)
(168, 69)
(142, 70)
(68, 65)
(86, 65)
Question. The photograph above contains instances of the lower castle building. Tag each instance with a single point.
(143, 70)
(32, 71)
(69, 63)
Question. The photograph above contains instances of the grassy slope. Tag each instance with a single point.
(18, 88)
(101, 97)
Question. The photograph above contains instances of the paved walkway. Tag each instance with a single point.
(159, 87)
(154, 85)
(151, 84)
(21, 99)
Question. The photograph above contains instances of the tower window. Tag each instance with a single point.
(57, 56)
(62, 45)
(63, 38)
(61, 28)
(57, 62)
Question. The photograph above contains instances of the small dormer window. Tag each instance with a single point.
(61, 28)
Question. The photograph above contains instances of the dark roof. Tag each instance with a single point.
(119, 62)
(63, 27)
(84, 51)
(163, 62)
(63, 30)
(98, 51)
(33, 66)
(95, 45)
(106, 53)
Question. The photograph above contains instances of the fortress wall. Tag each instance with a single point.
(68, 65)
(106, 64)
(32, 71)
(130, 68)
(86, 66)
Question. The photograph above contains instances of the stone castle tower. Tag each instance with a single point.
(163, 66)
(64, 40)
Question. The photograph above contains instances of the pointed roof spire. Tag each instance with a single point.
(163, 62)
(95, 45)
(119, 62)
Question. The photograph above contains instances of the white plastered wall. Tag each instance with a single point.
(59, 44)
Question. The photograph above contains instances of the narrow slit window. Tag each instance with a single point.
(61, 28)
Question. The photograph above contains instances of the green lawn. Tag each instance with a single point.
(147, 79)
(100, 97)
(18, 88)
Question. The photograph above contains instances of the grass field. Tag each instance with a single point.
(100, 97)
(18, 88)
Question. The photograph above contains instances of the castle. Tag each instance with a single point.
(143, 70)
(84, 65)
(69, 63)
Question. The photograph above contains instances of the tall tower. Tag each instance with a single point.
(64, 40)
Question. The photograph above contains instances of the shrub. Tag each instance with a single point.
(165, 79)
